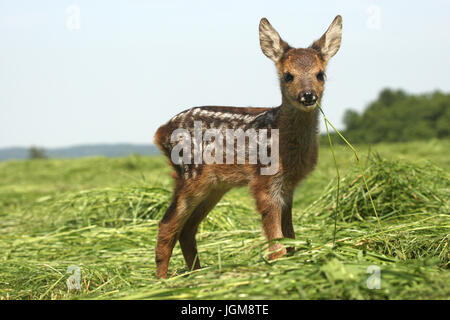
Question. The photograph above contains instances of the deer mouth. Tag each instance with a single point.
(308, 107)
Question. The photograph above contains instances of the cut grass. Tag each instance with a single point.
(102, 216)
(399, 189)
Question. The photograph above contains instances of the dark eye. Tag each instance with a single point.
(288, 77)
(321, 76)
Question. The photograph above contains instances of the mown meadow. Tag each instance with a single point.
(101, 216)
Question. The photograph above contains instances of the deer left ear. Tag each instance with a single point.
(330, 42)
(271, 43)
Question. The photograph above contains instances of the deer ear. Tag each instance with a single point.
(330, 42)
(271, 43)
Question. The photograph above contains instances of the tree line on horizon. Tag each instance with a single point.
(396, 116)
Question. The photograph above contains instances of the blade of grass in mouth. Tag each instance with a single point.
(338, 179)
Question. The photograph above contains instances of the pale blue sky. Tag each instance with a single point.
(134, 64)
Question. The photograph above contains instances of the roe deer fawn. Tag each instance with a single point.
(198, 187)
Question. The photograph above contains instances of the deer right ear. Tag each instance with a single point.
(271, 43)
(330, 42)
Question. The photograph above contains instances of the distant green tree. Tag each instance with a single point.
(36, 153)
(398, 116)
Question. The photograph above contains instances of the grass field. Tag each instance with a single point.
(101, 215)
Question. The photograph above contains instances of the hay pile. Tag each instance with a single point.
(412, 203)
(398, 188)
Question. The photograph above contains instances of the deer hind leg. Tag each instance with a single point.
(271, 210)
(187, 236)
(183, 203)
(286, 221)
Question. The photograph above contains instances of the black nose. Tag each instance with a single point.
(307, 98)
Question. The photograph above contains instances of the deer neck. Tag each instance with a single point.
(297, 126)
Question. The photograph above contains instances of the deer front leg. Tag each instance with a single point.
(270, 209)
(286, 220)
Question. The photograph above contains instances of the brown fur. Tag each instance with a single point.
(198, 188)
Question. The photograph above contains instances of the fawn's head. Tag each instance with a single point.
(301, 71)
